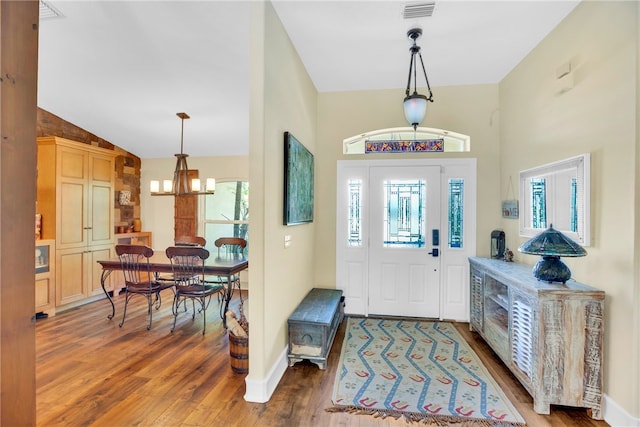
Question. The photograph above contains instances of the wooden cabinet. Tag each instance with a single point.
(76, 199)
(549, 335)
(78, 273)
(45, 280)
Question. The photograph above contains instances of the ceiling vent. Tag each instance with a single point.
(418, 10)
(47, 11)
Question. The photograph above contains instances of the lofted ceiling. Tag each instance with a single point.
(123, 69)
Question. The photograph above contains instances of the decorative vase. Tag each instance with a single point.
(137, 225)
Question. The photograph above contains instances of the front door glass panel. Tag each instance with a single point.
(404, 213)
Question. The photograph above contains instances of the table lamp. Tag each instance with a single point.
(551, 245)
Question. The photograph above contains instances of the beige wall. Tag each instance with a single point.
(283, 99)
(469, 110)
(599, 115)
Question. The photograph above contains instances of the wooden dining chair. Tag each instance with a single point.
(232, 245)
(190, 241)
(187, 263)
(138, 278)
(183, 241)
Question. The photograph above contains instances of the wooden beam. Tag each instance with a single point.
(18, 99)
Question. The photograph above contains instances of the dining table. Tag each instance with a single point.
(227, 266)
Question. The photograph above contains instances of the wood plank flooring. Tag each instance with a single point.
(90, 372)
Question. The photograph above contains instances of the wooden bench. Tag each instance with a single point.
(313, 326)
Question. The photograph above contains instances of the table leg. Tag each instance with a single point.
(227, 298)
(103, 277)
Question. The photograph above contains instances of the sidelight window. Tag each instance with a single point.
(355, 212)
(456, 211)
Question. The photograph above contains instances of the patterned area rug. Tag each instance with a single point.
(419, 370)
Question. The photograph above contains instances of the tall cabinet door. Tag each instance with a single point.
(100, 200)
(72, 166)
(71, 275)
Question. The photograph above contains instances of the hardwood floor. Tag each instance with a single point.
(90, 372)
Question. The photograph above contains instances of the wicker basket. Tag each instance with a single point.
(239, 353)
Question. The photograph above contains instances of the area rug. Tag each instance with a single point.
(419, 370)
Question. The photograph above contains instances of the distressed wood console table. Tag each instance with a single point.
(549, 335)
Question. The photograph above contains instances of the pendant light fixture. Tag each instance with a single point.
(415, 105)
(180, 185)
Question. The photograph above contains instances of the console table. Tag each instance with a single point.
(549, 335)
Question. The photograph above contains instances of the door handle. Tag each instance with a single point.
(434, 252)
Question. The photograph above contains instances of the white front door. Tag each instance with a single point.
(384, 235)
(404, 266)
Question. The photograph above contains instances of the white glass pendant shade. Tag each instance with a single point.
(154, 186)
(195, 184)
(415, 108)
(167, 185)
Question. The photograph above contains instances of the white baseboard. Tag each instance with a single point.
(616, 416)
(260, 391)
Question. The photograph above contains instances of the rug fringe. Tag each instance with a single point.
(415, 417)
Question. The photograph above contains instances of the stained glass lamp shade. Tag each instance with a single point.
(551, 245)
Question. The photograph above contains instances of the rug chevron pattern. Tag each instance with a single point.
(420, 370)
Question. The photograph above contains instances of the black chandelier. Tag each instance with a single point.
(415, 105)
(181, 185)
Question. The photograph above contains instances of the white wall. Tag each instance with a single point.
(283, 98)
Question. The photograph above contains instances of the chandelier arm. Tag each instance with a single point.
(430, 98)
(415, 73)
